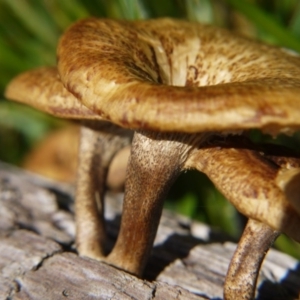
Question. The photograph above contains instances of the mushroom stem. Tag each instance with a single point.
(155, 162)
(96, 150)
(244, 267)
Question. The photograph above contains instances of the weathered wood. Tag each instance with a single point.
(38, 260)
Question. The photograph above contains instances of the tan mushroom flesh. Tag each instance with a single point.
(184, 87)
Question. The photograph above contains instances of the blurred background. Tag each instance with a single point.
(29, 31)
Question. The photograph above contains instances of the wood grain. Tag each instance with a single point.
(38, 259)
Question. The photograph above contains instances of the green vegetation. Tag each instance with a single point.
(29, 31)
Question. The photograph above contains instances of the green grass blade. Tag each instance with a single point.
(266, 23)
(199, 10)
(127, 9)
(33, 19)
(295, 21)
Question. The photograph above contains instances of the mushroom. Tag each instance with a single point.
(100, 143)
(55, 157)
(189, 92)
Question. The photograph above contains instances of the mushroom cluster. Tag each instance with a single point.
(183, 95)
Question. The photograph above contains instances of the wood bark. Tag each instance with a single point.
(38, 259)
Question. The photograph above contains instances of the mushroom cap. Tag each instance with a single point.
(42, 89)
(171, 75)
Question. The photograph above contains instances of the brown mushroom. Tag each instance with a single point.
(100, 142)
(184, 88)
(55, 157)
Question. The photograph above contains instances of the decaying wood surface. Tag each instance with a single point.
(38, 259)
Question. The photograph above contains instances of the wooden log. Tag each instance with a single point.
(38, 258)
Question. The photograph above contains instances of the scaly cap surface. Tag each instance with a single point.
(171, 75)
(42, 89)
